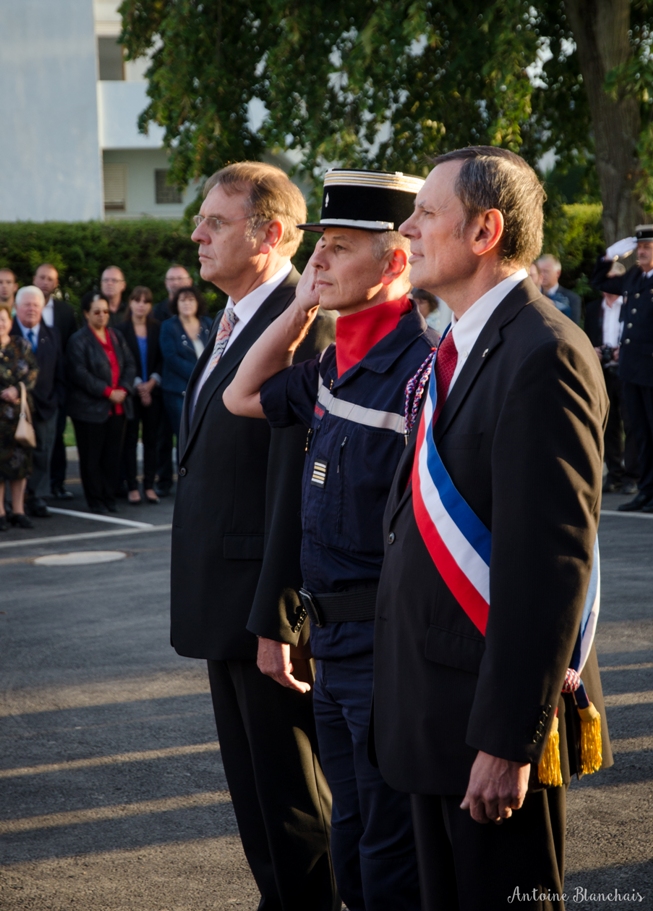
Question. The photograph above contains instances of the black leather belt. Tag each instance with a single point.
(339, 607)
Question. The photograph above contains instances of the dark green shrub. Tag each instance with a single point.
(574, 234)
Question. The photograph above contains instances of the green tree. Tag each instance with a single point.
(389, 83)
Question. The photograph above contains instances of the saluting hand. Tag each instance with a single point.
(306, 296)
(273, 659)
(496, 788)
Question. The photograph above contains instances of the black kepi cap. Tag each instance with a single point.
(368, 200)
(644, 232)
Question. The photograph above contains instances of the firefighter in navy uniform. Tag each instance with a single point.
(352, 401)
(636, 349)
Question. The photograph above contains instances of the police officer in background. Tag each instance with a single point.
(636, 350)
(352, 399)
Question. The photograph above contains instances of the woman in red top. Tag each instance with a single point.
(100, 370)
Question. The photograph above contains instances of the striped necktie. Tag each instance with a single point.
(226, 327)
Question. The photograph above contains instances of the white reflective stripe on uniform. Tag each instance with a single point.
(384, 420)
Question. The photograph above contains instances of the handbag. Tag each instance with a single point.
(25, 435)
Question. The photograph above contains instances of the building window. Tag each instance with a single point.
(163, 192)
(110, 57)
(115, 187)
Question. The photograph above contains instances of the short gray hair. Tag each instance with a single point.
(29, 289)
(553, 260)
(494, 178)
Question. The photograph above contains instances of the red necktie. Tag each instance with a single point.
(445, 367)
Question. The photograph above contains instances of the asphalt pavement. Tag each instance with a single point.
(112, 792)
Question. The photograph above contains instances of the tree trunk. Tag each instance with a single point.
(600, 29)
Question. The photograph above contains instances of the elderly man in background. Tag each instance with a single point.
(47, 394)
(112, 285)
(177, 277)
(59, 314)
(567, 302)
(8, 286)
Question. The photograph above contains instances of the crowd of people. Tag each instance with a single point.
(120, 377)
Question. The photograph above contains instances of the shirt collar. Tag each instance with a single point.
(25, 330)
(552, 290)
(467, 329)
(248, 305)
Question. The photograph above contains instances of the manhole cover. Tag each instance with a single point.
(79, 557)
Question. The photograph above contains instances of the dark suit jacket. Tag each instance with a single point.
(154, 356)
(65, 321)
(49, 391)
(162, 310)
(521, 436)
(89, 373)
(593, 325)
(237, 525)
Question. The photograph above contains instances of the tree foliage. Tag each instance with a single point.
(372, 83)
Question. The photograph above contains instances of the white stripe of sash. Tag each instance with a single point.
(370, 417)
(469, 561)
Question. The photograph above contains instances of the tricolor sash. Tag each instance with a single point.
(460, 545)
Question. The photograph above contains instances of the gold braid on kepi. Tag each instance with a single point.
(367, 200)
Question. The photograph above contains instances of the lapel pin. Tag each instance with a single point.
(485, 352)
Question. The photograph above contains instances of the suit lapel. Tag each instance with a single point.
(269, 310)
(489, 339)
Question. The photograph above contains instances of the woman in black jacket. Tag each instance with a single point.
(141, 332)
(100, 371)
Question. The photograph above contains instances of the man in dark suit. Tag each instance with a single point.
(235, 545)
(567, 302)
(48, 392)
(636, 351)
(466, 694)
(176, 277)
(603, 326)
(59, 314)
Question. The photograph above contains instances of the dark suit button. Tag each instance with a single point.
(392, 537)
(626, 341)
(637, 295)
(634, 310)
(184, 392)
(629, 326)
(182, 472)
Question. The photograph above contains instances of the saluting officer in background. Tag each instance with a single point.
(636, 350)
(352, 398)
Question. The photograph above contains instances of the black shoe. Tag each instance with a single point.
(36, 506)
(641, 500)
(648, 507)
(162, 490)
(4, 524)
(111, 506)
(610, 486)
(20, 520)
(99, 510)
(629, 488)
(60, 493)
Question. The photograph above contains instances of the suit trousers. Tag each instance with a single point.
(99, 447)
(372, 838)
(38, 485)
(468, 866)
(639, 405)
(148, 417)
(280, 798)
(58, 460)
(164, 447)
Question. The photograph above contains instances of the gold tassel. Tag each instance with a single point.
(548, 770)
(591, 745)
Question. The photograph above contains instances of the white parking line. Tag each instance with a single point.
(86, 536)
(627, 515)
(96, 518)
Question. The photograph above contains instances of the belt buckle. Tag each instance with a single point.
(311, 608)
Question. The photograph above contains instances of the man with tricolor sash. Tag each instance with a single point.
(487, 692)
(352, 401)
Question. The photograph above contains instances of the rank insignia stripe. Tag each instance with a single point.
(318, 478)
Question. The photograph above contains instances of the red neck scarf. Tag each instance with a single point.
(358, 333)
(109, 350)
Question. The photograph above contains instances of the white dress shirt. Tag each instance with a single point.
(245, 309)
(467, 329)
(612, 328)
(48, 313)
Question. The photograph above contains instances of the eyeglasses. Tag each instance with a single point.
(113, 281)
(214, 223)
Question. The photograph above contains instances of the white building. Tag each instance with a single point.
(70, 149)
